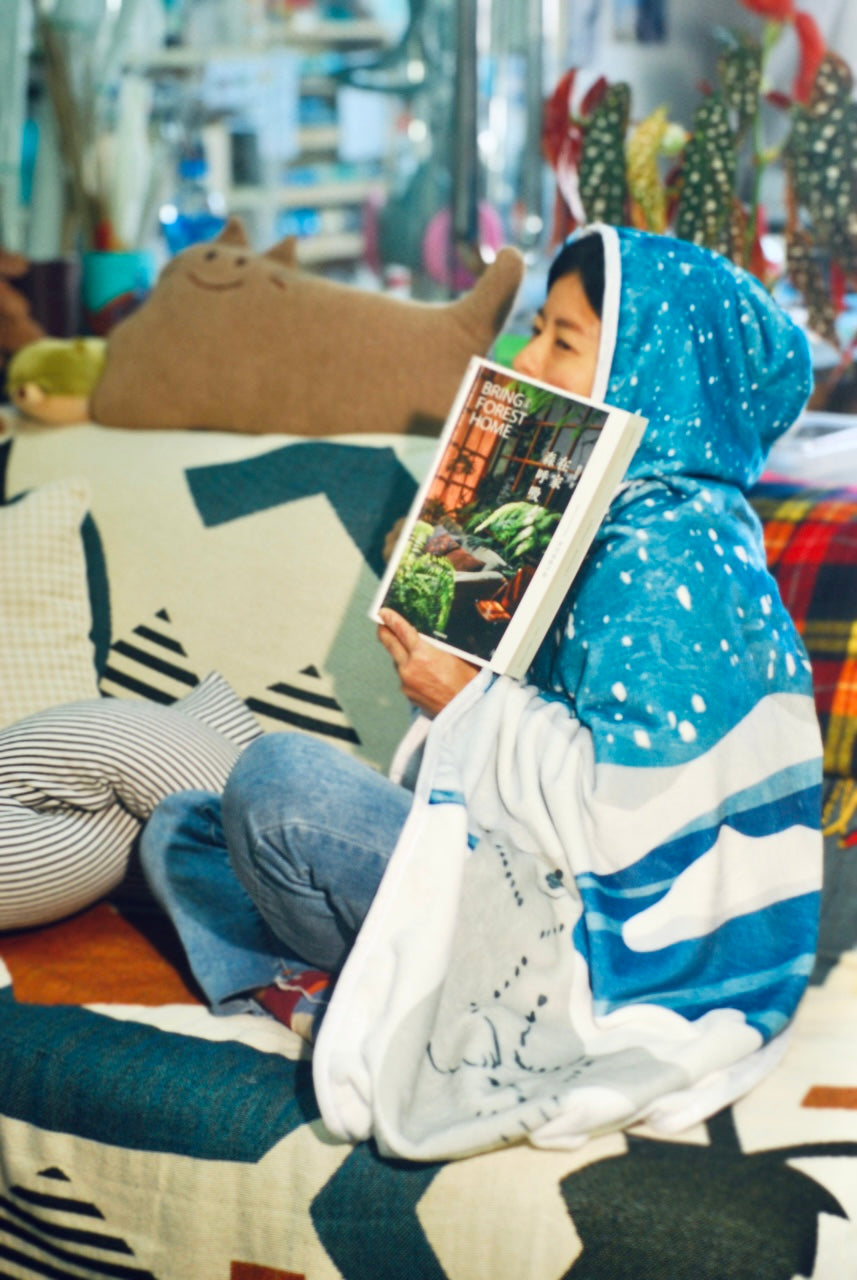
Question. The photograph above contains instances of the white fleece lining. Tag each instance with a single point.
(609, 306)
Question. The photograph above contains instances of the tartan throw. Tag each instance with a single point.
(811, 543)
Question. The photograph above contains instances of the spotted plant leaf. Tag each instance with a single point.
(812, 47)
(706, 202)
(603, 188)
(739, 70)
(822, 162)
(810, 278)
(745, 246)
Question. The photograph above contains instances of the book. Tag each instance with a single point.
(522, 479)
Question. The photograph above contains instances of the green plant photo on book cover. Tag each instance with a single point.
(424, 585)
(521, 530)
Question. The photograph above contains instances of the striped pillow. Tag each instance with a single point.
(77, 782)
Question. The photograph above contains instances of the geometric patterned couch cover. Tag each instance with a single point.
(134, 1145)
(141, 1137)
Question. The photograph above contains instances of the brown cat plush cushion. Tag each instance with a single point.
(236, 341)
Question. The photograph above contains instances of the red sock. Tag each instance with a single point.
(297, 998)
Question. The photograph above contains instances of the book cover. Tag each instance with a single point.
(523, 477)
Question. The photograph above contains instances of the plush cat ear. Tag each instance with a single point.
(233, 233)
(286, 252)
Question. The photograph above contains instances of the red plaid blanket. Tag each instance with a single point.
(811, 543)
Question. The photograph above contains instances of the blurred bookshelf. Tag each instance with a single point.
(314, 189)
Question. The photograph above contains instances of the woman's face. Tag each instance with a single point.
(566, 333)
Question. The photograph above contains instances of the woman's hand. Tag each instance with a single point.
(430, 678)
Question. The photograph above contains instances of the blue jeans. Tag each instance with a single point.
(278, 873)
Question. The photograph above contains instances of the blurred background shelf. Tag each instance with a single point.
(319, 34)
(269, 112)
(342, 247)
(246, 199)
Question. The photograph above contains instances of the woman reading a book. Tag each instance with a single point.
(598, 905)
(562, 351)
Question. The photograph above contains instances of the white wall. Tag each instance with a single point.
(672, 72)
(668, 73)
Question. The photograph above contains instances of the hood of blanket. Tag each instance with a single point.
(673, 630)
(699, 348)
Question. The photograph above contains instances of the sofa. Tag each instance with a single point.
(142, 1137)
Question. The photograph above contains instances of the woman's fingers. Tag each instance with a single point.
(406, 634)
(429, 677)
(397, 636)
(389, 638)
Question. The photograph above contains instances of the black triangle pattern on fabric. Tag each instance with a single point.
(43, 1233)
(304, 703)
(152, 663)
(149, 663)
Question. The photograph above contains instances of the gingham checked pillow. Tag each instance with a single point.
(46, 650)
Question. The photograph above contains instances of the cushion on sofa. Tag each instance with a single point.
(46, 648)
(78, 780)
(254, 556)
(278, 349)
(93, 550)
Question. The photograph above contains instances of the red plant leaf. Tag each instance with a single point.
(571, 151)
(812, 51)
(838, 287)
(776, 10)
(594, 95)
(777, 98)
(557, 118)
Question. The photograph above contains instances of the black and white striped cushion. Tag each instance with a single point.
(77, 782)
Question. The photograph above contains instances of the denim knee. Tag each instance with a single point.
(289, 762)
(275, 777)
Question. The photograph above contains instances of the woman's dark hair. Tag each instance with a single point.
(583, 257)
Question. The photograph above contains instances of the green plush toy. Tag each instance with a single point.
(51, 380)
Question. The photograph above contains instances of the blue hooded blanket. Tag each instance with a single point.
(603, 907)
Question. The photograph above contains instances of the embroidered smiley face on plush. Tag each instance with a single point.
(237, 341)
